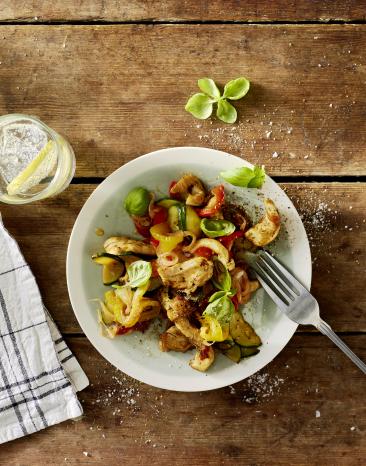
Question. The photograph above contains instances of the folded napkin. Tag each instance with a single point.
(39, 376)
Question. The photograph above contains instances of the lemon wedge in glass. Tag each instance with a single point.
(40, 167)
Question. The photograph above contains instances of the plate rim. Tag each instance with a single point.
(216, 383)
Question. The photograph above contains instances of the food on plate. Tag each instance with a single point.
(188, 270)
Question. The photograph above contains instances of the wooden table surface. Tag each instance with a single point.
(113, 77)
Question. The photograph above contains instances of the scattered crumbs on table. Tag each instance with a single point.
(353, 428)
(317, 413)
(86, 453)
(232, 390)
(275, 155)
(261, 387)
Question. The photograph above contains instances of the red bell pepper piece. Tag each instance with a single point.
(154, 266)
(234, 300)
(142, 225)
(228, 241)
(140, 327)
(204, 252)
(204, 352)
(214, 204)
(160, 215)
(154, 242)
(173, 195)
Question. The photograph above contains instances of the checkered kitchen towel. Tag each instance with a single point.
(39, 376)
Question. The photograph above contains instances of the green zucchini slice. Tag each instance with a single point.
(247, 352)
(112, 272)
(167, 203)
(105, 258)
(177, 217)
(233, 353)
(242, 332)
(225, 345)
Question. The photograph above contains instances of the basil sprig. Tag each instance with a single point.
(201, 105)
(216, 228)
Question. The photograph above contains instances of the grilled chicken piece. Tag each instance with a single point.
(203, 359)
(178, 309)
(174, 340)
(267, 229)
(188, 275)
(119, 244)
(191, 189)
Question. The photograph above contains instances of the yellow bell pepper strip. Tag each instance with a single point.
(212, 330)
(167, 240)
(114, 305)
(133, 317)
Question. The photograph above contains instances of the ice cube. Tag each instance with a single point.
(20, 144)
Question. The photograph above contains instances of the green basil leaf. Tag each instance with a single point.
(259, 177)
(226, 112)
(208, 86)
(236, 89)
(222, 309)
(245, 177)
(137, 201)
(217, 295)
(221, 277)
(215, 228)
(139, 273)
(200, 106)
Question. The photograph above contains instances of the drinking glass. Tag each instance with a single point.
(35, 161)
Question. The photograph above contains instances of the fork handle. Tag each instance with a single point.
(325, 329)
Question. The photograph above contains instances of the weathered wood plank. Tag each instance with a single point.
(334, 216)
(117, 92)
(175, 10)
(270, 419)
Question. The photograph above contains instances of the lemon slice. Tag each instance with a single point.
(39, 168)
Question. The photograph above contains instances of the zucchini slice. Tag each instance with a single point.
(193, 221)
(225, 345)
(233, 353)
(112, 272)
(242, 332)
(247, 352)
(167, 202)
(177, 217)
(105, 258)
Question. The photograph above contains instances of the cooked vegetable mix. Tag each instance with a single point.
(190, 267)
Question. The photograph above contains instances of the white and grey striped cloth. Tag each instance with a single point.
(39, 376)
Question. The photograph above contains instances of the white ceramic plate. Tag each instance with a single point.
(138, 354)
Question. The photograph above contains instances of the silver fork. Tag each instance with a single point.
(294, 300)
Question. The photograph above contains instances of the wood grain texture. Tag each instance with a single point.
(270, 419)
(176, 10)
(333, 213)
(117, 92)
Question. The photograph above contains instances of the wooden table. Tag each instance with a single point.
(113, 77)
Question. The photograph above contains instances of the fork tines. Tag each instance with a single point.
(282, 287)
